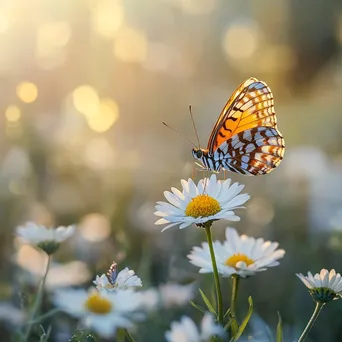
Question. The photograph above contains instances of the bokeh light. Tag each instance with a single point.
(241, 40)
(86, 100)
(51, 39)
(105, 117)
(99, 154)
(198, 7)
(107, 17)
(130, 45)
(27, 91)
(94, 227)
(13, 113)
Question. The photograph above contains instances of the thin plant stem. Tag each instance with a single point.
(216, 275)
(37, 302)
(235, 288)
(129, 336)
(318, 308)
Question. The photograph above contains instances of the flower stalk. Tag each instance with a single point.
(129, 336)
(318, 308)
(38, 300)
(216, 275)
(235, 288)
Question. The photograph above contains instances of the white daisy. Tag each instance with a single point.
(187, 331)
(240, 255)
(324, 286)
(45, 238)
(209, 200)
(172, 294)
(125, 279)
(102, 312)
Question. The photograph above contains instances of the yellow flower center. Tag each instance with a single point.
(202, 206)
(98, 304)
(234, 259)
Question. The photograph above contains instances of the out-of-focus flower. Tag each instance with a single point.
(102, 312)
(175, 295)
(240, 255)
(48, 239)
(324, 286)
(208, 201)
(150, 299)
(125, 279)
(11, 315)
(187, 331)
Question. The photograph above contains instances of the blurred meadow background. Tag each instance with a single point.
(84, 88)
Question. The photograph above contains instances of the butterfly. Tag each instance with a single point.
(245, 138)
(112, 273)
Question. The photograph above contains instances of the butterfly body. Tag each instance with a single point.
(245, 138)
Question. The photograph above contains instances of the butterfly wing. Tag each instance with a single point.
(245, 138)
(251, 105)
(256, 151)
(112, 273)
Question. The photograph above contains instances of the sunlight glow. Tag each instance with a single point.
(130, 45)
(86, 100)
(108, 16)
(94, 227)
(105, 117)
(27, 91)
(240, 41)
(13, 113)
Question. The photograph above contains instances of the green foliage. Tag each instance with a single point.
(279, 335)
(245, 321)
(207, 303)
(82, 336)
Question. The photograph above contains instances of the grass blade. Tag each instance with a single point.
(244, 322)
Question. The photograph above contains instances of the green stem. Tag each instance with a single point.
(216, 275)
(37, 302)
(129, 336)
(45, 316)
(318, 308)
(235, 288)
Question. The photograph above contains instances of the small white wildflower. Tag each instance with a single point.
(187, 331)
(172, 294)
(324, 286)
(103, 312)
(48, 239)
(125, 279)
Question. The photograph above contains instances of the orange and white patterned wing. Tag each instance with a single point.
(245, 138)
(251, 105)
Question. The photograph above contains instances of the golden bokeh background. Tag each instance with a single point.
(84, 88)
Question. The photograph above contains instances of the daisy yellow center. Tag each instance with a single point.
(98, 304)
(202, 206)
(234, 259)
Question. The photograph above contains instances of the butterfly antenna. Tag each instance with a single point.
(193, 124)
(182, 135)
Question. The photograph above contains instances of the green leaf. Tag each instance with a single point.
(279, 335)
(227, 313)
(198, 307)
(245, 321)
(228, 324)
(207, 303)
(45, 336)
